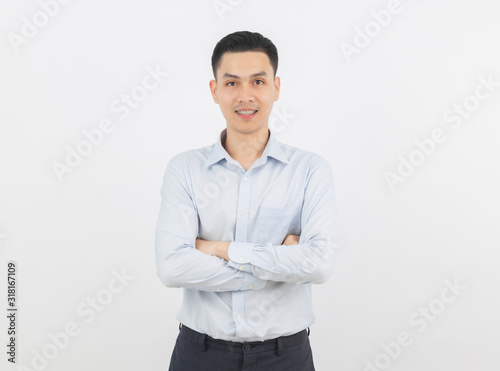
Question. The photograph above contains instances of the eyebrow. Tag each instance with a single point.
(230, 76)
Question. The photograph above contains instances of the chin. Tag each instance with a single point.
(242, 125)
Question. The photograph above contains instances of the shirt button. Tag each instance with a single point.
(272, 268)
(247, 347)
(218, 289)
(238, 316)
(242, 213)
(245, 179)
(241, 259)
(251, 286)
(241, 267)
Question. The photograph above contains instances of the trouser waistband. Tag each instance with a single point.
(255, 346)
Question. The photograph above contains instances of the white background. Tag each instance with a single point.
(362, 113)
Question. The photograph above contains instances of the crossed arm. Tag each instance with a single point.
(221, 248)
(184, 260)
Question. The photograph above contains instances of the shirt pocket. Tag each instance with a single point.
(275, 223)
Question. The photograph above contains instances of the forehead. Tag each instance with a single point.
(244, 64)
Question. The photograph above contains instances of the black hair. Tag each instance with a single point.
(243, 41)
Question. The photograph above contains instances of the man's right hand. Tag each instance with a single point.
(291, 239)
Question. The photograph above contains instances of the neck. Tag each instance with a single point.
(244, 147)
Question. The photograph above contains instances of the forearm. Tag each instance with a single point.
(307, 262)
(184, 266)
(221, 248)
(180, 264)
(312, 258)
(214, 248)
(298, 263)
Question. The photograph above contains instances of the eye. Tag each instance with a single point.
(230, 82)
(260, 81)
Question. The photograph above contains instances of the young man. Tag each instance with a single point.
(246, 226)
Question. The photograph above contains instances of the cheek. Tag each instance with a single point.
(226, 100)
(267, 102)
(269, 96)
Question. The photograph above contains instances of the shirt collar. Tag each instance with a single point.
(273, 149)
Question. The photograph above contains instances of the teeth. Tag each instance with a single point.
(246, 112)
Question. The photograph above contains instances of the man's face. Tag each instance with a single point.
(245, 82)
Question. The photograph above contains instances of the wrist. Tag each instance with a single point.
(222, 249)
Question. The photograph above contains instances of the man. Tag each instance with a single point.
(246, 225)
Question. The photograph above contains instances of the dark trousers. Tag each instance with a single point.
(194, 351)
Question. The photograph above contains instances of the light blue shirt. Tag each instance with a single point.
(264, 291)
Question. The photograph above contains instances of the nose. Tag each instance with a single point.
(245, 93)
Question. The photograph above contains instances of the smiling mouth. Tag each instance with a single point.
(246, 113)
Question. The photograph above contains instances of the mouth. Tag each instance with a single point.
(246, 114)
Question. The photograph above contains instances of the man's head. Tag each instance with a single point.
(244, 65)
(244, 41)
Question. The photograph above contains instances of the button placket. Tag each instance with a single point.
(241, 235)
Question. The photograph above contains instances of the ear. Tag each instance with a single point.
(277, 84)
(213, 90)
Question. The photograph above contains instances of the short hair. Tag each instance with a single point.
(243, 41)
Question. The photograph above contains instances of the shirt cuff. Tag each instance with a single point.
(241, 267)
(240, 252)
